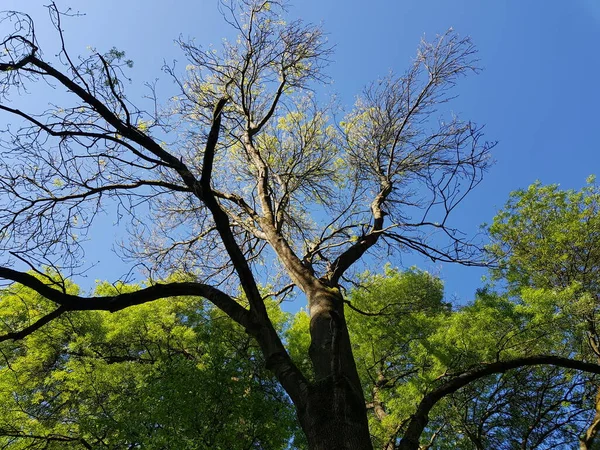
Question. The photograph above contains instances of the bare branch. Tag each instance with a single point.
(70, 302)
(34, 326)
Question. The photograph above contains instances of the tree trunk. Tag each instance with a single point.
(332, 410)
(334, 416)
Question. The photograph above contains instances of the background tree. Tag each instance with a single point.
(528, 408)
(245, 166)
(173, 374)
(546, 242)
(178, 373)
(409, 343)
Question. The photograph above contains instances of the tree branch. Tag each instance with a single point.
(357, 250)
(14, 336)
(70, 302)
(78, 133)
(276, 356)
(419, 420)
(128, 131)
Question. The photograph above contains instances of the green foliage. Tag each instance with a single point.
(546, 243)
(548, 238)
(533, 408)
(116, 55)
(298, 339)
(412, 341)
(391, 346)
(175, 373)
(178, 374)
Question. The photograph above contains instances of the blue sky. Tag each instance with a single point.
(538, 94)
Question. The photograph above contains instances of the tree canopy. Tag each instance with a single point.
(239, 191)
(178, 373)
(546, 243)
(172, 374)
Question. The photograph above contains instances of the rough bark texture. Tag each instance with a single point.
(335, 413)
(334, 417)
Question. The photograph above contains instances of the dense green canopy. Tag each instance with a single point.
(175, 373)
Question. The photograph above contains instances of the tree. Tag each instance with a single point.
(244, 166)
(546, 242)
(177, 374)
(408, 343)
(171, 374)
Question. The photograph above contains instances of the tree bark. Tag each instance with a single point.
(335, 415)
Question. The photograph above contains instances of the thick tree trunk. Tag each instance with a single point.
(335, 415)
(332, 410)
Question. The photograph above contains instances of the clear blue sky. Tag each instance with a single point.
(538, 94)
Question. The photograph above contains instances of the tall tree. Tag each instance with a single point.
(546, 240)
(245, 165)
